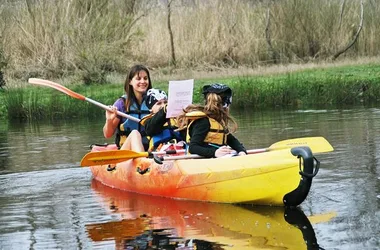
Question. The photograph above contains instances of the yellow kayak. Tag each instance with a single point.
(278, 177)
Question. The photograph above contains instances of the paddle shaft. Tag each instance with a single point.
(194, 156)
(116, 156)
(170, 152)
(316, 144)
(109, 109)
(75, 95)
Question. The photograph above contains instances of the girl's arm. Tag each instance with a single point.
(235, 144)
(112, 119)
(111, 123)
(155, 124)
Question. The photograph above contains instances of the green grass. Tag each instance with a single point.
(333, 86)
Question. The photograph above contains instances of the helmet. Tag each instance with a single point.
(222, 90)
(153, 96)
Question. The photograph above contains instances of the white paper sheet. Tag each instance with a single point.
(180, 96)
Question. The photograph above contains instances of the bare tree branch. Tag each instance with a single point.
(355, 38)
(173, 59)
(273, 53)
(32, 15)
(341, 13)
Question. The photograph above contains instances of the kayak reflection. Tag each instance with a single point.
(149, 222)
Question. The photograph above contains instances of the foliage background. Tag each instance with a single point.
(90, 39)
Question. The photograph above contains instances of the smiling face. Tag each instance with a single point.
(136, 84)
(140, 83)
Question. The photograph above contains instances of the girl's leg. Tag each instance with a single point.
(133, 142)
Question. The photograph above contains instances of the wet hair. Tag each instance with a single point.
(213, 108)
(135, 70)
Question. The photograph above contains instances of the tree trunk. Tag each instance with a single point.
(173, 59)
(356, 35)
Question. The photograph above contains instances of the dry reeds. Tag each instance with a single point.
(93, 38)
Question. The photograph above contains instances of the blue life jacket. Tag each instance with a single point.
(166, 135)
(126, 125)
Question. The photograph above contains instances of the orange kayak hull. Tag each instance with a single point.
(263, 179)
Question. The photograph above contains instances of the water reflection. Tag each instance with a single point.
(4, 149)
(145, 221)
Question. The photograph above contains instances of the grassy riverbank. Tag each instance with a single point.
(324, 86)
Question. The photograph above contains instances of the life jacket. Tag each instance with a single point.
(126, 125)
(168, 133)
(217, 134)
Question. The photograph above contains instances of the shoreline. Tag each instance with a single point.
(323, 84)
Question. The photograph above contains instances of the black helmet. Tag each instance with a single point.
(153, 96)
(221, 89)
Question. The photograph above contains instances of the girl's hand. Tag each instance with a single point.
(224, 150)
(242, 153)
(111, 115)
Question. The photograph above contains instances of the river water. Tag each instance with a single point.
(47, 201)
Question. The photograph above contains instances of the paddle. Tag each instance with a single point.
(316, 144)
(116, 156)
(75, 95)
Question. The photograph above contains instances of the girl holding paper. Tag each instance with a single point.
(160, 129)
(162, 125)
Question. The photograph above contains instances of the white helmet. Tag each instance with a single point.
(153, 96)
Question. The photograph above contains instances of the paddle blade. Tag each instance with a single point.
(316, 144)
(110, 157)
(56, 86)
